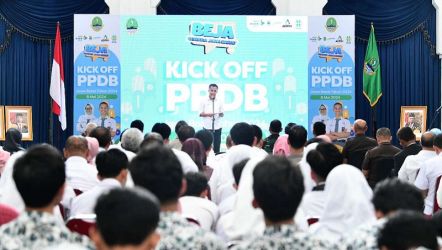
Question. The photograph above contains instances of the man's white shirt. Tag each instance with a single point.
(80, 174)
(211, 106)
(412, 164)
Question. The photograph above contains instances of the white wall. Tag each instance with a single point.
(299, 7)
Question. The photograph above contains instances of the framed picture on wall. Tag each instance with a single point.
(414, 117)
(20, 117)
(2, 123)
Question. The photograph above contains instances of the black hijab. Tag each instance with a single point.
(13, 141)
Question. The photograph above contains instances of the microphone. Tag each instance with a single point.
(438, 109)
(434, 117)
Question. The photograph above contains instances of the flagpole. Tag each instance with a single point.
(51, 119)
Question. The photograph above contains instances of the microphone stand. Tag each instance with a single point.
(436, 113)
(213, 116)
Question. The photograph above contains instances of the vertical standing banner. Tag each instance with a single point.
(97, 72)
(331, 67)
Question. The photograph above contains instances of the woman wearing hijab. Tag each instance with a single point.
(195, 149)
(347, 204)
(85, 119)
(12, 141)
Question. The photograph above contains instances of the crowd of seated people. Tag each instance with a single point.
(266, 191)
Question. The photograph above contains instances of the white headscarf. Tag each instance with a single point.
(348, 203)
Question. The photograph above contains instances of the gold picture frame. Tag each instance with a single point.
(2, 123)
(20, 117)
(414, 117)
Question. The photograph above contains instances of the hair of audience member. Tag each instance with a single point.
(406, 134)
(103, 135)
(297, 136)
(132, 139)
(427, 139)
(76, 145)
(157, 169)
(137, 124)
(408, 230)
(437, 141)
(185, 132)
(13, 141)
(242, 133)
(151, 139)
(92, 145)
(324, 158)
(258, 132)
(179, 124)
(237, 170)
(206, 137)
(319, 128)
(39, 174)
(163, 129)
(126, 216)
(360, 126)
(229, 142)
(278, 188)
(89, 127)
(393, 194)
(110, 163)
(288, 127)
(383, 132)
(275, 126)
(195, 149)
(196, 184)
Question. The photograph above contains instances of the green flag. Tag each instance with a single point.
(372, 71)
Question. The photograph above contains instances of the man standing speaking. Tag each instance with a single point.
(211, 109)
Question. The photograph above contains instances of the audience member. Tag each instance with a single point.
(159, 171)
(195, 149)
(126, 219)
(355, 148)
(12, 142)
(281, 146)
(137, 124)
(257, 141)
(407, 139)
(92, 146)
(274, 129)
(176, 144)
(412, 163)
(89, 127)
(40, 179)
(104, 137)
(112, 173)
(297, 139)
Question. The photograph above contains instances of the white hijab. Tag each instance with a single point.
(348, 203)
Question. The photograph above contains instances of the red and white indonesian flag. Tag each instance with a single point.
(57, 82)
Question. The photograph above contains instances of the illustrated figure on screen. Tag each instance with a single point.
(19, 123)
(88, 117)
(322, 116)
(338, 127)
(211, 110)
(413, 123)
(105, 120)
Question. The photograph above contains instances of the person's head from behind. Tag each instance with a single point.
(237, 171)
(297, 137)
(126, 219)
(383, 135)
(76, 146)
(257, 141)
(89, 127)
(392, 195)
(163, 129)
(137, 124)
(360, 127)
(158, 170)
(151, 140)
(275, 127)
(197, 185)
(185, 132)
(319, 128)
(288, 127)
(427, 140)
(179, 124)
(132, 139)
(40, 176)
(103, 135)
(195, 149)
(407, 230)
(405, 136)
(112, 164)
(242, 133)
(206, 138)
(12, 140)
(322, 160)
(278, 187)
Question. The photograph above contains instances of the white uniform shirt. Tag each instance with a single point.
(80, 174)
(85, 202)
(343, 125)
(412, 164)
(211, 106)
(426, 180)
(83, 120)
(203, 210)
(187, 163)
(108, 123)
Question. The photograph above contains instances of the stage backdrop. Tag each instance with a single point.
(266, 67)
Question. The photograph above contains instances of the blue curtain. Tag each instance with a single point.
(410, 69)
(214, 7)
(27, 30)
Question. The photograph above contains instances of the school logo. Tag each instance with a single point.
(331, 25)
(97, 24)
